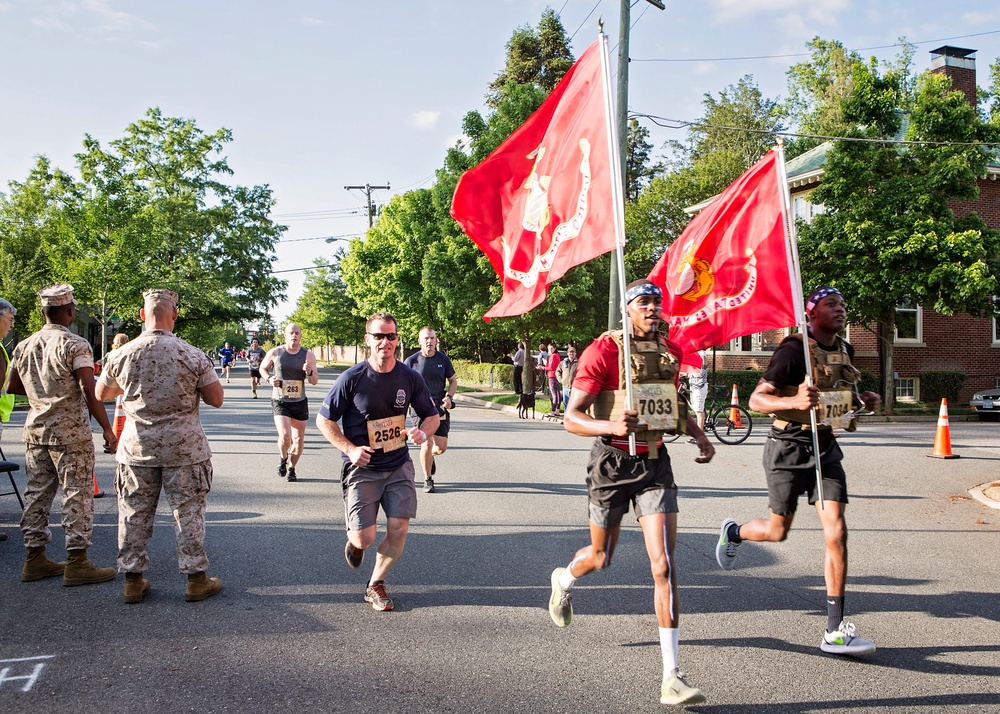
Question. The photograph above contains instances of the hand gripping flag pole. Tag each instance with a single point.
(800, 313)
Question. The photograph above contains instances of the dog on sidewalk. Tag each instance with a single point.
(524, 403)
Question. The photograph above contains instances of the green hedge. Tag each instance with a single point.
(935, 386)
(478, 374)
(744, 379)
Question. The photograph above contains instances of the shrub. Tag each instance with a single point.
(935, 386)
(478, 374)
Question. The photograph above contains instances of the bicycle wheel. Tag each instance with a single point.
(731, 431)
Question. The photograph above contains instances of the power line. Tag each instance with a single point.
(807, 54)
(302, 240)
(682, 124)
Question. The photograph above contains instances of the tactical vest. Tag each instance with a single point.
(832, 374)
(652, 364)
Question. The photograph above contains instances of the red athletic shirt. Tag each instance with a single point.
(598, 371)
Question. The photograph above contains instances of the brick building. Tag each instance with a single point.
(925, 340)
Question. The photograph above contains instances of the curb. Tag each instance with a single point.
(979, 493)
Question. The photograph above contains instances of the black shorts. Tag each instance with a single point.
(443, 428)
(255, 373)
(298, 411)
(615, 479)
(791, 471)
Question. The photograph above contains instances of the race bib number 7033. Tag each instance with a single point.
(657, 405)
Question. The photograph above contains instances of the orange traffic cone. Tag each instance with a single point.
(98, 493)
(118, 425)
(734, 414)
(942, 440)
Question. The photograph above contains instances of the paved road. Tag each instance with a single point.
(289, 632)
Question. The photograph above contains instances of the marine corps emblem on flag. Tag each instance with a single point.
(696, 276)
(538, 214)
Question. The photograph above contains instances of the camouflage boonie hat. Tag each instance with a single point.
(56, 295)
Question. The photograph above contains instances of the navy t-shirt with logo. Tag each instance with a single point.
(436, 371)
(361, 395)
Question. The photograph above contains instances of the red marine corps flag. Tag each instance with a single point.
(542, 202)
(730, 272)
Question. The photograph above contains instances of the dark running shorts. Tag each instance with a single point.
(255, 373)
(443, 428)
(298, 411)
(615, 479)
(791, 472)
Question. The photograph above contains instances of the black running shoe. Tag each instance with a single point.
(353, 556)
(291, 475)
(283, 468)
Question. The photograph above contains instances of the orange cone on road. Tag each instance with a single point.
(118, 425)
(98, 493)
(942, 440)
(734, 414)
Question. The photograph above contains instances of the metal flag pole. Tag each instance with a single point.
(795, 276)
(618, 206)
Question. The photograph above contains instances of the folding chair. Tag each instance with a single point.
(9, 467)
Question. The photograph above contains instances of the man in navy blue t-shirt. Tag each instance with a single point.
(371, 400)
(439, 374)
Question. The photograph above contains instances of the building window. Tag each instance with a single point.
(909, 322)
(806, 211)
(748, 343)
(996, 335)
(906, 389)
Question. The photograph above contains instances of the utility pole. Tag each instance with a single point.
(614, 300)
(368, 188)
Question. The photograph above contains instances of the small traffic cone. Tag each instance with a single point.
(118, 425)
(734, 414)
(942, 440)
(98, 493)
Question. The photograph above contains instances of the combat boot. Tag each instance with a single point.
(80, 571)
(37, 565)
(136, 587)
(200, 586)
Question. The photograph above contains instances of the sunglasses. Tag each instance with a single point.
(391, 336)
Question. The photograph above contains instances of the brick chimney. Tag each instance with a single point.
(956, 63)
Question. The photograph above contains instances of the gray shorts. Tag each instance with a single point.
(366, 489)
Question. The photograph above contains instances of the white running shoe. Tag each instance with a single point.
(725, 550)
(843, 641)
(676, 691)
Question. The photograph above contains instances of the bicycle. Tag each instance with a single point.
(719, 419)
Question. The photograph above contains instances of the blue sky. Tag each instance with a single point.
(321, 95)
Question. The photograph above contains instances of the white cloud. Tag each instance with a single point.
(424, 120)
(316, 22)
(974, 19)
(114, 21)
(94, 19)
(454, 139)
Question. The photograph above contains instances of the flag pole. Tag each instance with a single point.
(791, 247)
(618, 205)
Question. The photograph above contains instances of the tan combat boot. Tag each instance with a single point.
(37, 565)
(200, 586)
(80, 571)
(136, 587)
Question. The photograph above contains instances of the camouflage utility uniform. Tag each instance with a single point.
(163, 445)
(59, 446)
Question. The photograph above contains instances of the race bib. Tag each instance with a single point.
(387, 434)
(290, 389)
(657, 405)
(836, 408)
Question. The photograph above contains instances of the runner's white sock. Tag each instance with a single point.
(566, 579)
(668, 648)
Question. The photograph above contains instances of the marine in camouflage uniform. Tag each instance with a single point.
(55, 369)
(162, 379)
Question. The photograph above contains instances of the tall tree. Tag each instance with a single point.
(637, 168)
(326, 313)
(888, 235)
(538, 57)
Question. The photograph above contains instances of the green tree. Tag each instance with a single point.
(534, 57)
(888, 234)
(735, 130)
(325, 311)
(638, 172)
